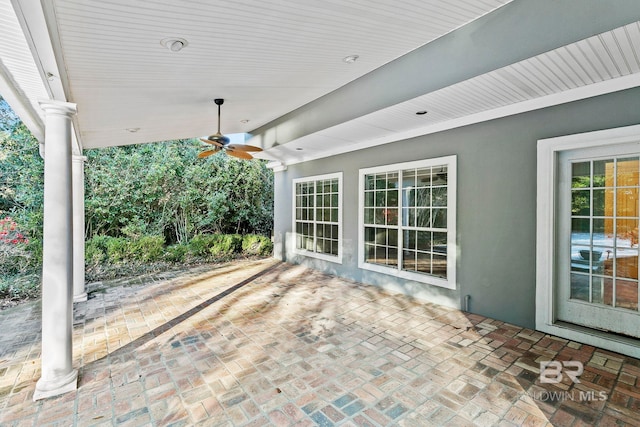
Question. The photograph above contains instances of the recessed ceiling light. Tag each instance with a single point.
(174, 44)
(298, 149)
(244, 121)
(132, 130)
(421, 113)
(350, 59)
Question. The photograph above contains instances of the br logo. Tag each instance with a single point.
(551, 371)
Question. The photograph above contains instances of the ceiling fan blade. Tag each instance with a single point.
(240, 154)
(212, 142)
(243, 147)
(207, 153)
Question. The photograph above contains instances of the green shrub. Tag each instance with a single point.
(95, 250)
(34, 248)
(253, 244)
(200, 245)
(225, 245)
(111, 250)
(176, 253)
(20, 287)
(118, 249)
(146, 248)
(13, 261)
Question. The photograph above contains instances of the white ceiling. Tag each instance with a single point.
(265, 58)
(269, 58)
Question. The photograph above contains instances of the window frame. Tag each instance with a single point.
(450, 282)
(304, 252)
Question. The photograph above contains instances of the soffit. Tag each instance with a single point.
(600, 64)
(20, 82)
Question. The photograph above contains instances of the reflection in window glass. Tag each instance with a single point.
(411, 204)
(316, 215)
(604, 232)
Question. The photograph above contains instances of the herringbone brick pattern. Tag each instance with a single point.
(262, 343)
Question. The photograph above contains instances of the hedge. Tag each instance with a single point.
(113, 250)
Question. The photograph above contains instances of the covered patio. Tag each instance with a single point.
(333, 92)
(261, 342)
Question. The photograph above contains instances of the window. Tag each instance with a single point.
(407, 220)
(318, 216)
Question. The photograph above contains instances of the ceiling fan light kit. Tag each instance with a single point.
(221, 142)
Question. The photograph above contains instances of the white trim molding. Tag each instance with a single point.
(546, 256)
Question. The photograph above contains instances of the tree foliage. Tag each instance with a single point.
(21, 174)
(164, 189)
(158, 189)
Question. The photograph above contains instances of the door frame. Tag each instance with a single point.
(547, 199)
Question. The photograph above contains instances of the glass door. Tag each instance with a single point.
(597, 237)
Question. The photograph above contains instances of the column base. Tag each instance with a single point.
(80, 298)
(50, 388)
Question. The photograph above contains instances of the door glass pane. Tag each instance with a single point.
(581, 175)
(627, 294)
(603, 202)
(627, 173)
(627, 233)
(603, 173)
(627, 266)
(580, 286)
(581, 202)
(602, 290)
(627, 202)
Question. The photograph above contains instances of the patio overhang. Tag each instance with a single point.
(280, 67)
(285, 80)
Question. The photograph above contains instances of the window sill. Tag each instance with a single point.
(324, 257)
(408, 275)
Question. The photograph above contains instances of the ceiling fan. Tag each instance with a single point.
(221, 142)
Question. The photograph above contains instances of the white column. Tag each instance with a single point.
(79, 293)
(58, 375)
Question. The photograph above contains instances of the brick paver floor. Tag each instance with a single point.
(268, 343)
